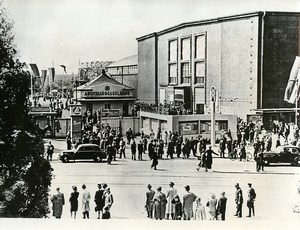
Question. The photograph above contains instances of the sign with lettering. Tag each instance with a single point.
(93, 94)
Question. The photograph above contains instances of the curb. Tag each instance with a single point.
(258, 173)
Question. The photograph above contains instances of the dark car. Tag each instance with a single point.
(83, 152)
(283, 154)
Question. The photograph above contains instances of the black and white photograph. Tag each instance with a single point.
(138, 114)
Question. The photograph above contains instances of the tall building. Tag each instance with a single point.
(247, 58)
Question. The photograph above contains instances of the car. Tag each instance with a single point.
(283, 154)
(83, 152)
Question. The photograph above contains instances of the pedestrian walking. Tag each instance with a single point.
(144, 141)
(208, 158)
(99, 201)
(149, 201)
(251, 199)
(177, 208)
(221, 209)
(74, 201)
(238, 200)
(151, 149)
(58, 201)
(140, 150)
(200, 213)
(178, 148)
(86, 196)
(212, 206)
(170, 149)
(260, 161)
(187, 203)
(50, 150)
(171, 193)
(133, 150)
(154, 159)
(110, 153)
(159, 206)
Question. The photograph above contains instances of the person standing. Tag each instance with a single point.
(151, 149)
(50, 150)
(149, 201)
(74, 201)
(171, 193)
(238, 200)
(260, 161)
(159, 206)
(212, 205)
(221, 209)
(170, 149)
(188, 200)
(110, 153)
(99, 201)
(86, 196)
(251, 199)
(200, 213)
(108, 199)
(133, 150)
(140, 150)
(144, 144)
(177, 207)
(154, 158)
(122, 148)
(58, 202)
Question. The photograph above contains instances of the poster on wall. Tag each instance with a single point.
(188, 127)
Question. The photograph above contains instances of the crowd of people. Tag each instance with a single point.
(168, 205)
(165, 108)
(103, 202)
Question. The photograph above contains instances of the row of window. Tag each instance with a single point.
(185, 59)
(123, 70)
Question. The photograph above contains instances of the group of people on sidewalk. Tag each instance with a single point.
(168, 206)
(103, 199)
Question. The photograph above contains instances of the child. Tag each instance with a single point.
(106, 214)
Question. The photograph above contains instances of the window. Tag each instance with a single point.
(200, 47)
(186, 49)
(173, 74)
(185, 72)
(173, 51)
(200, 72)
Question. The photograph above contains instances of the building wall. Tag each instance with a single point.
(231, 63)
(129, 80)
(146, 75)
(281, 45)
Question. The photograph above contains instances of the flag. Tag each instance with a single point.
(35, 69)
(64, 68)
(51, 74)
(291, 90)
(44, 75)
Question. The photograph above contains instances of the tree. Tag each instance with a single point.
(25, 175)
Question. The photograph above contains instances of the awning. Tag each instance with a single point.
(277, 110)
(104, 99)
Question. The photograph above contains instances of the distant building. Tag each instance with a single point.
(246, 57)
(125, 71)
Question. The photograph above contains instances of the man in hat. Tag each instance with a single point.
(221, 209)
(251, 199)
(188, 200)
(159, 207)
(149, 203)
(238, 200)
(172, 192)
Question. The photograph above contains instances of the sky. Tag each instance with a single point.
(67, 32)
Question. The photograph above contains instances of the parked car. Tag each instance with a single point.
(283, 154)
(83, 152)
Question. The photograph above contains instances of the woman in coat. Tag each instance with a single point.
(159, 206)
(86, 196)
(199, 210)
(212, 206)
(58, 201)
(172, 192)
(74, 201)
(108, 199)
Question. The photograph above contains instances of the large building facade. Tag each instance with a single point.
(246, 57)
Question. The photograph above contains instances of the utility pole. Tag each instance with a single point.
(212, 115)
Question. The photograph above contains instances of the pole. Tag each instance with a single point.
(212, 116)
(296, 103)
(31, 87)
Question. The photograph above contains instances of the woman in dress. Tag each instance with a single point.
(74, 201)
(199, 210)
(212, 206)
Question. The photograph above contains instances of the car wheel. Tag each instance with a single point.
(98, 159)
(65, 159)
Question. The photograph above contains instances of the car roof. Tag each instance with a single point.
(84, 145)
(287, 146)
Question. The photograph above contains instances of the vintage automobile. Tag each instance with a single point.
(283, 154)
(83, 152)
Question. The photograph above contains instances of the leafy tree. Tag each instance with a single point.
(25, 176)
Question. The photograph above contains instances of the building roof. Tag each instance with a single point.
(103, 78)
(127, 61)
(215, 20)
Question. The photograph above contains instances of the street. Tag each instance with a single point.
(276, 187)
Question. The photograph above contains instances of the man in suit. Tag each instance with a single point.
(140, 150)
(251, 199)
(149, 203)
(221, 209)
(238, 200)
